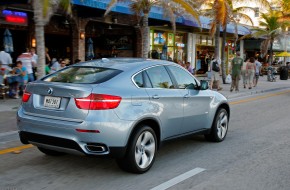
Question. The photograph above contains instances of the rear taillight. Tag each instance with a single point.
(98, 102)
(25, 97)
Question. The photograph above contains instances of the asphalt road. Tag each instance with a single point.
(255, 155)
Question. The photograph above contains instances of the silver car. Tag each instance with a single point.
(122, 107)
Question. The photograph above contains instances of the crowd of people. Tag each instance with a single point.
(17, 75)
(249, 71)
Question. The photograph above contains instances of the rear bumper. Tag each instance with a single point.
(67, 145)
(63, 136)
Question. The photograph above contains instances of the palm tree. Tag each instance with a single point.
(271, 28)
(43, 10)
(142, 8)
(223, 12)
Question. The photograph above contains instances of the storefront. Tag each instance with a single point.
(204, 53)
(109, 40)
(167, 45)
(17, 24)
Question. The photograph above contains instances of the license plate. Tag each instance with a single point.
(52, 102)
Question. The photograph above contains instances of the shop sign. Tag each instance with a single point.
(13, 17)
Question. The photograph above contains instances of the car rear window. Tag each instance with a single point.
(83, 75)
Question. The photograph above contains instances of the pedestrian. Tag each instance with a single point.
(21, 73)
(258, 72)
(28, 62)
(244, 73)
(62, 64)
(5, 59)
(55, 65)
(188, 67)
(215, 68)
(77, 61)
(179, 62)
(251, 69)
(47, 58)
(35, 57)
(236, 66)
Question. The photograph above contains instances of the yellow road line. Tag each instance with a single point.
(9, 150)
(18, 148)
(259, 97)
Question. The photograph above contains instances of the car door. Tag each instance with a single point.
(166, 101)
(196, 102)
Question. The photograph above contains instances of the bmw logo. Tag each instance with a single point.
(50, 91)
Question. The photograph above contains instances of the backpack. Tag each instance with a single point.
(215, 66)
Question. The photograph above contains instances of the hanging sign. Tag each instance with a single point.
(13, 17)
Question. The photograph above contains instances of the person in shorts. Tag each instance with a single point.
(257, 72)
(215, 76)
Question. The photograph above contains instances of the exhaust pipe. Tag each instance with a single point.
(97, 148)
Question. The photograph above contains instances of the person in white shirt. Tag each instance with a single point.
(35, 57)
(28, 62)
(5, 59)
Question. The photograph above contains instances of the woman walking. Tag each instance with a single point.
(244, 73)
(251, 68)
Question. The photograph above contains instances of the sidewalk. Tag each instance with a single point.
(263, 86)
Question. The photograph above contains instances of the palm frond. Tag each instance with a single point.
(110, 6)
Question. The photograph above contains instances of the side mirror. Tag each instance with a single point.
(203, 85)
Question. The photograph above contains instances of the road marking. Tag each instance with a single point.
(8, 133)
(258, 98)
(18, 148)
(178, 179)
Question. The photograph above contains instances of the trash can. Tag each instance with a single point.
(284, 73)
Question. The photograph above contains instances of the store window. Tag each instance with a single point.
(204, 53)
(167, 46)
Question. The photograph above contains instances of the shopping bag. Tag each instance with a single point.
(229, 79)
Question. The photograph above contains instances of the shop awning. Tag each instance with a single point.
(156, 13)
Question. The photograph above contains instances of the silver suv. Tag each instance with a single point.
(123, 107)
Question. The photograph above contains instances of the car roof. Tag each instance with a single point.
(124, 63)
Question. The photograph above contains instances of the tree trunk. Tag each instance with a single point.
(223, 57)
(145, 37)
(217, 42)
(39, 36)
(271, 52)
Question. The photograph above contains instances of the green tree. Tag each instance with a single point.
(142, 8)
(223, 12)
(43, 10)
(271, 28)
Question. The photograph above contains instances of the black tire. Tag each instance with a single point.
(139, 146)
(219, 127)
(50, 152)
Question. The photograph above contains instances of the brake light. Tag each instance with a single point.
(98, 102)
(25, 97)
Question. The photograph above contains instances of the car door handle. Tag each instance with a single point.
(155, 97)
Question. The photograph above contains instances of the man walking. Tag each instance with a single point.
(35, 58)
(236, 66)
(28, 62)
(5, 59)
(215, 67)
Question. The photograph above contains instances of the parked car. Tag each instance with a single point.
(122, 107)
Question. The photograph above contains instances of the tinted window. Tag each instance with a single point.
(83, 74)
(138, 79)
(182, 77)
(159, 77)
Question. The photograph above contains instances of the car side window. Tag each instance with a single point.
(159, 77)
(138, 79)
(182, 77)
